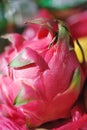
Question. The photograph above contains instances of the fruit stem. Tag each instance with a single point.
(63, 34)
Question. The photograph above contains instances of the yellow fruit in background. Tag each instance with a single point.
(83, 44)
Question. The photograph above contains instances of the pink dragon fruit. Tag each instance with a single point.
(8, 124)
(47, 75)
(10, 116)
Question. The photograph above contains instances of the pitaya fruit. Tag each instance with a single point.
(11, 118)
(78, 29)
(48, 75)
(10, 124)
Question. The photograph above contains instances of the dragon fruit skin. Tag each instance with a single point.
(8, 124)
(10, 116)
(48, 76)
